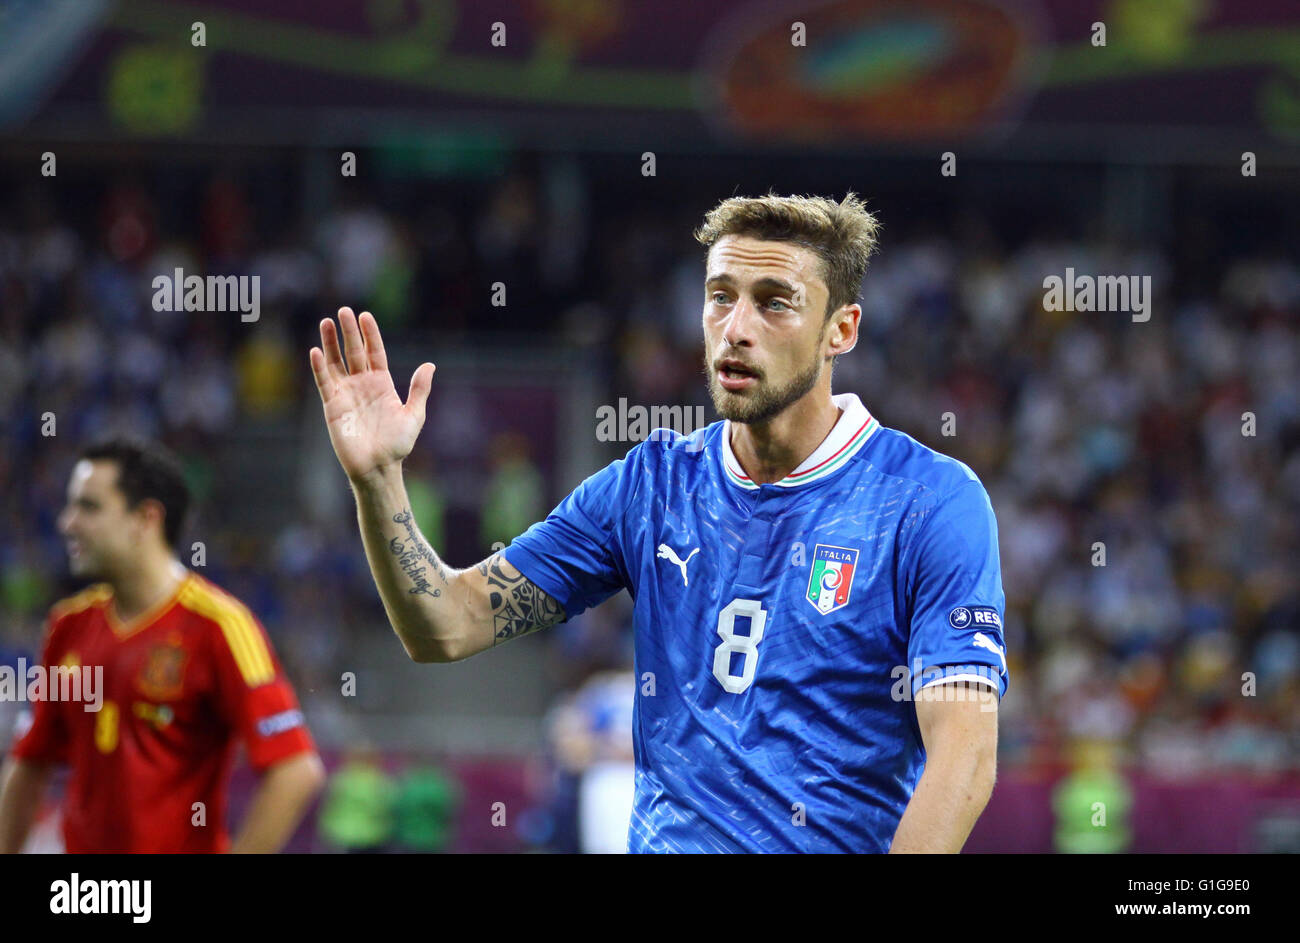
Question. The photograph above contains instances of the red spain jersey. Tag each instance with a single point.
(183, 684)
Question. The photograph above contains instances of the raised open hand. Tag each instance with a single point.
(370, 427)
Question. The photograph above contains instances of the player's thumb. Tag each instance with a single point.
(421, 384)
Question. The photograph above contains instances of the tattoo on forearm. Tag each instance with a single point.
(415, 558)
(519, 606)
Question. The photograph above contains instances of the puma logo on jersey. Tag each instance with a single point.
(983, 641)
(666, 552)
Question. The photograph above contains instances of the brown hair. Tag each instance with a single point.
(843, 235)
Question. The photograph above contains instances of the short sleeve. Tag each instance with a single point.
(254, 696)
(576, 555)
(956, 601)
(40, 731)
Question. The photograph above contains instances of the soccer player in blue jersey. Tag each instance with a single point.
(818, 598)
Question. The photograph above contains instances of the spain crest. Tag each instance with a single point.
(831, 579)
(163, 673)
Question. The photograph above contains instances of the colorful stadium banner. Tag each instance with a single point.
(856, 72)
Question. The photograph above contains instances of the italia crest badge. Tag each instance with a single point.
(832, 577)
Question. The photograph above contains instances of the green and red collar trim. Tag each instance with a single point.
(850, 433)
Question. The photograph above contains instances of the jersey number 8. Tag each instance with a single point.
(744, 645)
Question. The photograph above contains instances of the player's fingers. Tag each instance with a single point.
(421, 384)
(329, 343)
(375, 354)
(354, 348)
(320, 371)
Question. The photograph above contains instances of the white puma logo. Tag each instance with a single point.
(666, 552)
(983, 641)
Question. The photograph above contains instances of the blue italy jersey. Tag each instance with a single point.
(782, 629)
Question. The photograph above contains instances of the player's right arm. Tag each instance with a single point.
(440, 614)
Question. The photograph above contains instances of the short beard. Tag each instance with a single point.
(764, 402)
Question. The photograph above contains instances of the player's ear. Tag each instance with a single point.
(151, 513)
(843, 334)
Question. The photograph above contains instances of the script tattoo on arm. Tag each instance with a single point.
(519, 606)
(415, 558)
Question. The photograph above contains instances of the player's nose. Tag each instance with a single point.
(738, 327)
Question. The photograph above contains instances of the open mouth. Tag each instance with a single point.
(733, 375)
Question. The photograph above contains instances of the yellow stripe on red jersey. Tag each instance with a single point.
(77, 602)
(237, 627)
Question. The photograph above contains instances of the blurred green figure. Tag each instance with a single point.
(425, 810)
(357, 813)
(514, 496)
(429, 508)
(428, 505)
(1092, 803)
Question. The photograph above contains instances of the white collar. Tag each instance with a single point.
(851, 431)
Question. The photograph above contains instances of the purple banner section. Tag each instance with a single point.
(1207, 816)
(511, 805)
(803, 71)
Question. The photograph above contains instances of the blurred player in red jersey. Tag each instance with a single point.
(187, 672)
